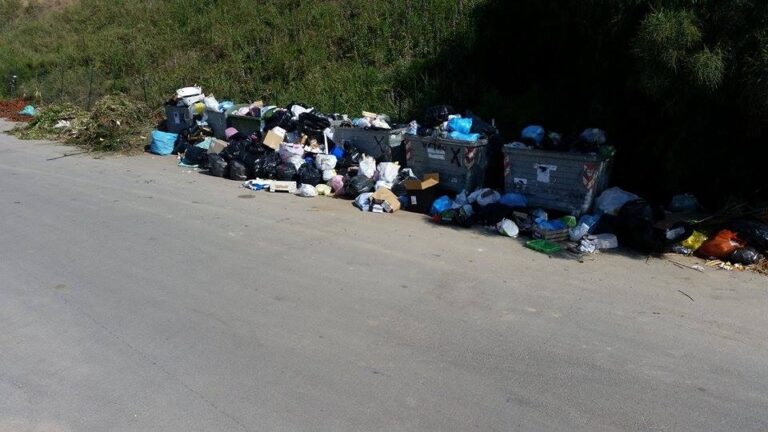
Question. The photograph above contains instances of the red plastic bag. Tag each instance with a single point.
(721, 245)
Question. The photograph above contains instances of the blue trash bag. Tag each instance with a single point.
(461, 125)
(590, 221)
(225, 105)
(338, 151)
(464, 136)
(162, 143)
(28, 110)
(553, 225)
(533, 133)
(514, 200)
(593, 136)
(440, 205)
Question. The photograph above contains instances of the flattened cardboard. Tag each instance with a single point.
(384, 195)
(430, 180)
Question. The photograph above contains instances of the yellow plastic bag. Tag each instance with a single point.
(695, 240)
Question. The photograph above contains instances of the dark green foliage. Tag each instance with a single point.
(680, 85)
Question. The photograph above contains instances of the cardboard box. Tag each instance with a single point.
(274, 138)
(387, 199)
(217, 146)
(422, 193)
(429, 180)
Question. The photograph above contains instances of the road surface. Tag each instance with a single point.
(139, 296)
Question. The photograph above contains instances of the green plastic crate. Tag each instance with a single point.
(543, 246)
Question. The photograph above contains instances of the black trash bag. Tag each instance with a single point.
(352, 156)
(464, 219)
(237, 171)
(309, 174)
(286, 172)
(492, 214)
(217, 165)
(311, 122)
(358, 185)
(755, 233)
(437, 114)
(635, 227)
(747, 256)
(480, 126)
(256, 139)
(425, 131)
(186, 137)
(281, 118)
(195, 155)
(181, 143)
(236, 148)
(399, 189)
(266, 166)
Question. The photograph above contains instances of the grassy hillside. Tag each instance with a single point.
(678, 84)
(343, 55)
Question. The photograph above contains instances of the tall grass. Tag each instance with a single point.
(340, 55)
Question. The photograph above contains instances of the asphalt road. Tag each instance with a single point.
(138, 296)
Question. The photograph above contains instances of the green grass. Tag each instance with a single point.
(342, 55)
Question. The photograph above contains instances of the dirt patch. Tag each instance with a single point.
(10, 109)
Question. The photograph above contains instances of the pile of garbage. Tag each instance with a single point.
(442, 121)
(292, 150)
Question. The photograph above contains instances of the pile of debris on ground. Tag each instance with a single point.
(116, 123)
(555, 190)
(549, 189)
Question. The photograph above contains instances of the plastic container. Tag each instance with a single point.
(217, 121)
(543, 246)
(178, 118)
(461, 164)
(371, 142)
(246, 125)
(552, 180)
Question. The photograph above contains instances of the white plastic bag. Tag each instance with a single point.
(288, 151)
(323, 190)
(367, 167)
(388, 171)
(483, 197)
(611, 200)
(297, 161)
(306, 190)
(211, 103)
(508, 228)
(382, 184)
(576, 233)
(363, 201)
(328, 175)
(298, 110)
(325, 162)
(381, 124)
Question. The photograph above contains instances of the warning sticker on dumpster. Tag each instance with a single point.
(436, 153)
(543, 172)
